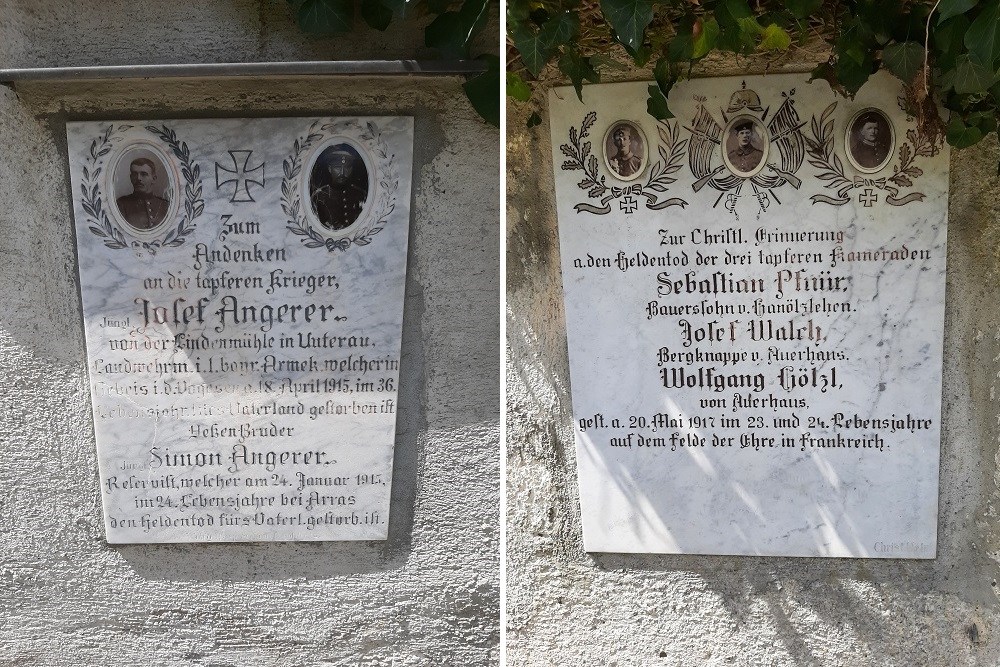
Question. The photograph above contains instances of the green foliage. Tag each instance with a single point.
(517, 88)
(904, 60)
(484, 91)
(452, 33)
(656, 104)
(578, 68)
(629, 19)
(947, 50)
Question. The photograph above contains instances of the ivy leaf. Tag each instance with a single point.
(665, 76)
(801, 9)
(326, 17)
(904, 60)
(483, 91)
(559, 30)
(629, 18)
(703, 44)
(578, 68)
(971, 77)
(738, 27)
(534, 119)
(775, 38)
(948, 41)
(982, 39)
(601, 60)
(451, 32)
(532, 50)
(986, 121)
(854, 61)
(949, 8)
(639, 56)
(656, 104)
(681, 47)
(961, 135)
(517, 88)
(376, 14)
(517, 11)
(735, 9)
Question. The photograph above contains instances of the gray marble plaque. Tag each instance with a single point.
(242, 284)
(754, 298)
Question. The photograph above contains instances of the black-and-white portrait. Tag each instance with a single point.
(625, 150)
(338, 186)
(870, 140)
(143, 189)
(745, 144)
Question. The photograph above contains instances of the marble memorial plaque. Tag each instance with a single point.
(754, 297)
(242, 285)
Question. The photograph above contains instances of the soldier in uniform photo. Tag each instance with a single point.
(625, 162)
(743, 155)
(870, 138)
(338, 187)
(143, 209)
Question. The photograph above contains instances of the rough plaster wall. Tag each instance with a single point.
(427, 596)
(65, 33)
(567, 607)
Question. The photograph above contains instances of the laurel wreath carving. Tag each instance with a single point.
(291, 200)
(919, 145)
(820, 149)
(92, 199)
(672, 153)
(580, 157)
(671, 150)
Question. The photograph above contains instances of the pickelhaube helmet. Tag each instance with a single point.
(744, 99)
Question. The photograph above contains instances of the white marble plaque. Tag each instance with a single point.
(242, 284)
(754, 301)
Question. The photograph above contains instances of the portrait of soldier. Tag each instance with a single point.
(742, 146)
(338, 186)
(143, 209)
(870, 140)
(624, 151)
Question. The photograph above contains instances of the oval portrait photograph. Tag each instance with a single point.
(870, 140)
(625, 150)
(744, 146)
(338, 186)
(143, 187)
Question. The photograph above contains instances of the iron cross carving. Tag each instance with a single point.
(242, 175)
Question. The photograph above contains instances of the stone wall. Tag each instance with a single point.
(568, 607)
(429, 594)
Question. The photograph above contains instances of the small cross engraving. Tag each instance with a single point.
(868, 197)
(628, 204)
(242, 176)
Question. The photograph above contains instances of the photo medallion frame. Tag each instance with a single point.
(745, 159)
(626, 150)
(143, 159)
(869, 140)
(297, 193)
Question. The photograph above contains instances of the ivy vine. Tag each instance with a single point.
(943, 50)
(452, 33)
